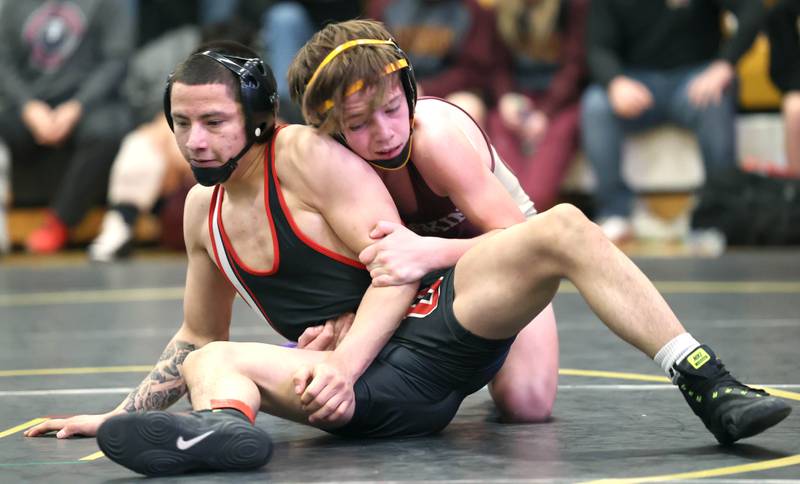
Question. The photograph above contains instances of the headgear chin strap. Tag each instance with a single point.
(208, 177)
(390, 164)
(398, 161)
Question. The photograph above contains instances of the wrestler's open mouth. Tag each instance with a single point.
(390, 152)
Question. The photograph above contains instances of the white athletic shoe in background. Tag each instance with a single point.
(115, 239)
(618, 229)
(5, 174)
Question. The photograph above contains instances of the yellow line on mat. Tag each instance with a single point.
(21, 427)
(715, 287)
(563, 371)
(176, 293)
(660, 379)
(782, 393)
(94, 456)
(94, 296)
(723, 287)
(720, 471)
(77, 371)
(613, 374)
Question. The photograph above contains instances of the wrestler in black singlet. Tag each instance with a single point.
(307, 285)
(418, 380)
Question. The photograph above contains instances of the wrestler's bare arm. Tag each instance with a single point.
(352, 199)
(208, 301)
(207, 304)
(462, 173)
(459, 172)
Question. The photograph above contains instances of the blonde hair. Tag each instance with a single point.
(529, 27)
(330, 67)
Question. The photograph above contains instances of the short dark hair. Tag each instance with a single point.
(200, 69)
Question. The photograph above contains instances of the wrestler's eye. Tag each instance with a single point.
(356, 127)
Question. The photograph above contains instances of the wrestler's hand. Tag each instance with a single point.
(326, 337)
(399, 256)
(326, 393)
(79, 425)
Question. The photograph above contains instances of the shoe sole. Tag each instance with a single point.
(145, 443)
(758, 418)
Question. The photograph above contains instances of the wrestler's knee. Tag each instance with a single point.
(557, 229)
(529, 402)
(212, 355)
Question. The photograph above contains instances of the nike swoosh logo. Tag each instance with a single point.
(187, 444)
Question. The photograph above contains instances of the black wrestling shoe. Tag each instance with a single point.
(159, 443)
(729, 409)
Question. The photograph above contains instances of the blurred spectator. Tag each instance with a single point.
(535, 125)
(658, 61)
(782, 27)
(286, 26)
(450, 43)
(155, 18)
(63, 62)
(149, 167)
(5, 168)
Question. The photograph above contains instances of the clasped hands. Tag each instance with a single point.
(51, 126)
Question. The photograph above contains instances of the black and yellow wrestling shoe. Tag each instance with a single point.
(157, 443)
(729, 409)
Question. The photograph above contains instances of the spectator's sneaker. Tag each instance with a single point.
(729, 409)
(160, 443)
(115, 240)
(5, 239)
(617, 229)
(50, 237)
(5, 163)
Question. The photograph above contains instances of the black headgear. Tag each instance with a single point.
(258, 93)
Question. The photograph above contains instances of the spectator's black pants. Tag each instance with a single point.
(72, 177)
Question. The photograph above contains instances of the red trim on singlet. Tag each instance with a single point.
(485, 136)
(299, 233)
(211, 210)
(276, 253)
(230, 251)
(251, 294)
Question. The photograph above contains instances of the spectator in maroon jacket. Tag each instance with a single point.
(536, 124)
(449, 43)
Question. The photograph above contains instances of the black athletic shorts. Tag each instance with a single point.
(417, 382)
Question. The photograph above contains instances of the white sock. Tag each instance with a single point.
(674, 351)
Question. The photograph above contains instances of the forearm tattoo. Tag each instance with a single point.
(165, 384)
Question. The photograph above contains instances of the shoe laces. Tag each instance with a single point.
(721, 378)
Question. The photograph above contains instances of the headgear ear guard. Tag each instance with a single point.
(409, 80)
(258, 92)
